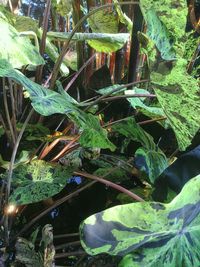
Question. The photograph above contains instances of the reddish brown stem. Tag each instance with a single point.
(111, 184)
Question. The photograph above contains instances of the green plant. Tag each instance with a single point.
(51, 133)
(148, 233)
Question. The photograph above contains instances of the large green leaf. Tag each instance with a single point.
(152, 162)
(37, 181)
(18, 51)
(28, 26)
(105, 21)
(151, 111)
(48, 102)
(158, 32)
(63, 7)
(133, 131)
(102, 42)
(23, 158)
(94, 135)
(170, 20)
(155, 234)
(150, 158)
(177, 92)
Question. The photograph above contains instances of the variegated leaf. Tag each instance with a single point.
(154, 234)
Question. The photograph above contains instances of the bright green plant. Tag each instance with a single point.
(176, 90)
(37, 180)
(154, 160)
(150, 233)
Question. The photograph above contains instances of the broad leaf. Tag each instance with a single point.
(149, 158)
(23, 158)
(18, 51)
(133, 131)
(114, 43)
(152, 162)
(100, 41)
(34, 131)
(139, 103)
(158, 32)
(29, 27)
(105, 21)
(94, 135)
(170, 19)
(155, 234)
(28, 255)
(177, 92)
(123, 18)
(63, 7)
(48, 102)
(37, 181)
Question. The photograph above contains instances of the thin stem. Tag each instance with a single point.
(80, 70)
(151, 121)
(4, 126)
(43, 39)
(56, 204)
(139, 123)
(7, 112)
(61, 201)
(66, 46)
(13, 108)
(73, 243)
(114, 91)
(111, 184)
(113, 98)
(68, 254)
(65, 235)
(10, 171)
(61, 153)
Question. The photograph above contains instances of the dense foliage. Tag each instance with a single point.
(79, 91)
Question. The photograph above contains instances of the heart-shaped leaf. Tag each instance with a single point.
(48, 102)
(17, 50)
(155, 234)
(38, 180)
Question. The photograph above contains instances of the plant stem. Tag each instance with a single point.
(4, 126)
(139, 123)
(13, 108)
(56, 204)
(7, 112)
(113, 91)
(43, 39)
(68, 254)
(111, 184)
(10, 171)
(151, 121)
(59, 202)
(80, 70)
(113, 98)
(73, 243)
(65, 235)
